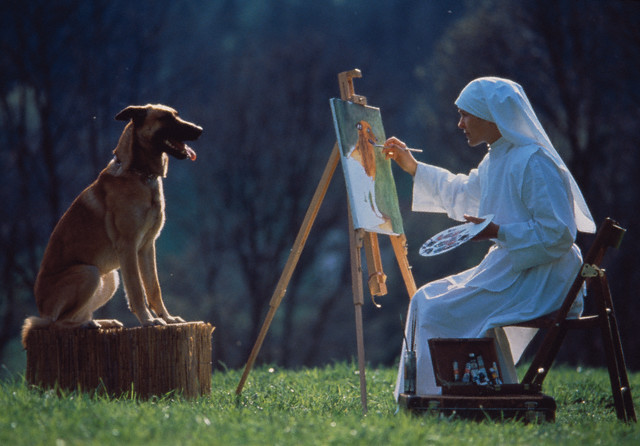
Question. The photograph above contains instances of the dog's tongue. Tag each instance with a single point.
(190, 153)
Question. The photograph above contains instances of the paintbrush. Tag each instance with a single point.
(413, 333)
(404, 335)
(407, 148)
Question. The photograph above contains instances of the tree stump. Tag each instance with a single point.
(147, 361)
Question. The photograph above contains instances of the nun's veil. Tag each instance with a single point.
(504, 102)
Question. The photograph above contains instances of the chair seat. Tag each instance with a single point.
(540, 322)
(548, 320)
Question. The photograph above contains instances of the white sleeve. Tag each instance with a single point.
(437, 190)
(551, 230)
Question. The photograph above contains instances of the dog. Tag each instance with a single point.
(111, 225)
(364, 152)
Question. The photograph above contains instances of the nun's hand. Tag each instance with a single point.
(397, 150)
(490, 232)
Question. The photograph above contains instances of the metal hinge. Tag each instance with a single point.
(591, 271)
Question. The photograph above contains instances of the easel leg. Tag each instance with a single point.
(355, 244)
(292, 261)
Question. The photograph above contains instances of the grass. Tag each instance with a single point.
(302, 407)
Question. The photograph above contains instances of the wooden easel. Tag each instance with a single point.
(358, 238)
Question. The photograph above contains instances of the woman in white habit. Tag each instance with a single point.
(538, 209)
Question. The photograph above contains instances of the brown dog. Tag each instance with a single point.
(364, 153)
(113, 224)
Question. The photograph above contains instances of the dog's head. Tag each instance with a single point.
(159, 128)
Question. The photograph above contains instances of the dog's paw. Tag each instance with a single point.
(109, 323)
(153, 321)
(173, 320)
(91, 325)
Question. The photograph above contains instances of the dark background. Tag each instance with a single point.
(258, 75)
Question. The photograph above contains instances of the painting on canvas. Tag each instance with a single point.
(370, 184)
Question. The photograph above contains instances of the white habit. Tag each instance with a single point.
(528, 271)
(524, 274)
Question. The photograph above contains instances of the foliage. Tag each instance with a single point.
(305, 406)
(257, 75)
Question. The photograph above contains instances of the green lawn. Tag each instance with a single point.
(306, 406)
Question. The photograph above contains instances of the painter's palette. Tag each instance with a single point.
(453, 237)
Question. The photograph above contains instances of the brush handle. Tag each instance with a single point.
(410, 149)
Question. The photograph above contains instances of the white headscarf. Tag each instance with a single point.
(504, 103)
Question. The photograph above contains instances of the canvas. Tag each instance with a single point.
(370, 184)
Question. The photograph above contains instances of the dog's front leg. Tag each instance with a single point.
(149, 272)
(132, 281)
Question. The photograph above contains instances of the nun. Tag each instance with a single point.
(537, 210)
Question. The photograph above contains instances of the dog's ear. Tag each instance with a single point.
(135, 112)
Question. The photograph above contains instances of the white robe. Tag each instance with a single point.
(525, 274)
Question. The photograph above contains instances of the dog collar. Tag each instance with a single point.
(144, 176)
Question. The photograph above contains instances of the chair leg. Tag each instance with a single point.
(547, 353)
(620, 388)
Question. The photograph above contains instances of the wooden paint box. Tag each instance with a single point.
(447, 351)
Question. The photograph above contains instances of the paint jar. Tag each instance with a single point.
(410, 372)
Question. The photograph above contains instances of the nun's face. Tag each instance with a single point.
(477, 130)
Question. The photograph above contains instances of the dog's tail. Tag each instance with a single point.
(33, 322)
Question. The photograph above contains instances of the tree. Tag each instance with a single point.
(563, 53)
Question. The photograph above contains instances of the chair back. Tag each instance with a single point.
(608, 236)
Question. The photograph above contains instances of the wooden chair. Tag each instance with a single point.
(609, 235)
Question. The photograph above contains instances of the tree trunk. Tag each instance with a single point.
(147, 361)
